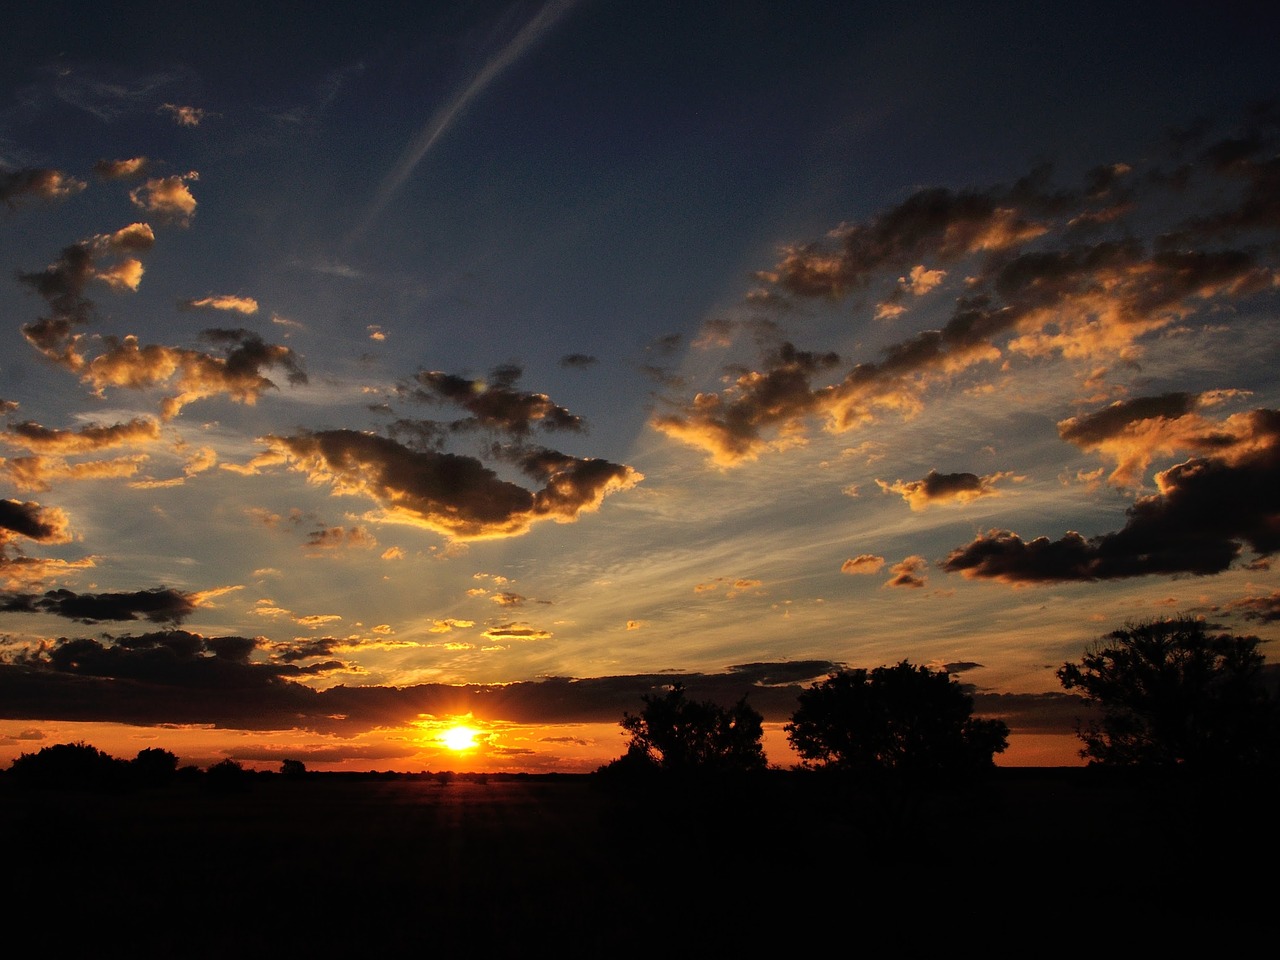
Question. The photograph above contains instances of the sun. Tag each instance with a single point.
(459, 738)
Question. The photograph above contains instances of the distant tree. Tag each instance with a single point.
(292, 768)
(153, 765)
(68, 765)
(226, 776)
(678, 734)
(1172, 694)
(903, 718)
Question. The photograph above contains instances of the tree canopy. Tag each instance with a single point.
(904, 718)
(1173, 694)
(678, 734)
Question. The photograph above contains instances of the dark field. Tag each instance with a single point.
(333, 865)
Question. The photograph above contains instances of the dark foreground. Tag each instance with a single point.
(786, 863)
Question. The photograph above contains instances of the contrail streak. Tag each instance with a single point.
(532, 32)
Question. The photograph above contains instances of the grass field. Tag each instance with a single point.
(334, 865)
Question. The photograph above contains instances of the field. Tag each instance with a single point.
(334, 865)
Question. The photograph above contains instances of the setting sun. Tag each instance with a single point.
(459, 738)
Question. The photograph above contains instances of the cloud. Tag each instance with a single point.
(454, 495)
(41, 472)
(908, 572)
(1132, 433)
(158, 605)
(443, 118)
(184, 116)
(334, 538)
(515, 632)
(32, 521)
(120, 169)
(506, 599)
(1261, 607)
(93, 437)
(1203, 513)
(729, 426)
(225, 302)
(168, 198)
(863, 563)
(195, 375)
(495, 404)
(1031, 290)
(63, 282)
(578, 361)
(36, 183)
(943, 488)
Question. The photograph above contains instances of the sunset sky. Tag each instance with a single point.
(421, 364)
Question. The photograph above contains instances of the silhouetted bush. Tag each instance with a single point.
(227, 776)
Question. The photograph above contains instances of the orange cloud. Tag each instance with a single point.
(862, 564)
(167, 197)
(943, 488)
(225, 302)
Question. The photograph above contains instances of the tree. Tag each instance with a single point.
(1172, 694)
(678, 734)
(903, 718)
(153, 765)
(68, 765)
(293, 768)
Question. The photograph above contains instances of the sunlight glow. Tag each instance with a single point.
(459, 738)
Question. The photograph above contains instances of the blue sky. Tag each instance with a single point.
(511, 360)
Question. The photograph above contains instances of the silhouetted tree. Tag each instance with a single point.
(68, 765)
(153, 766)
(679, 734)
(903, 718)
(1172, 694)
(293, 768)
(226, 776)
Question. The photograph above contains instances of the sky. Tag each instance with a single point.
(497, 364)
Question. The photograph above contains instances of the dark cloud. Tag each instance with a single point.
(158, 605)
(1205, 511)
(578, 361)
(1093, 428)
(452, 494)
(36, 183)
(495, 404)
(31, 520)
(943, 488)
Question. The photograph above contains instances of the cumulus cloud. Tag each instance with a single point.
(943, 488)
(454, 495)
(194, 374)
(863, 563)
(908, 572)
(37, 184)
(334, 538)
(168, 198)
(1205, 511)
(31, 521)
